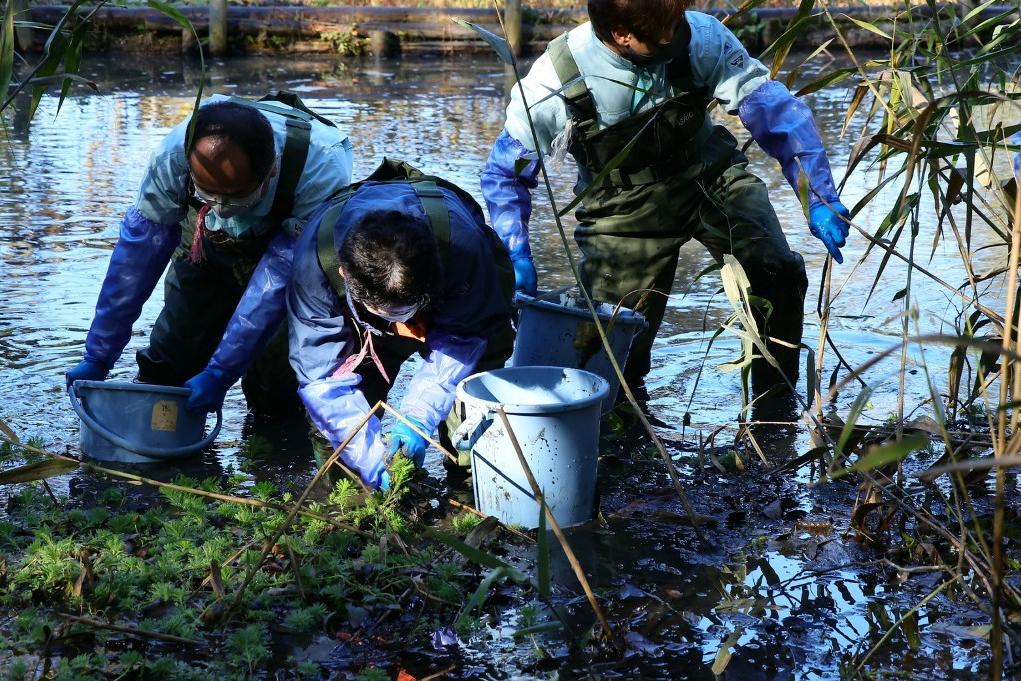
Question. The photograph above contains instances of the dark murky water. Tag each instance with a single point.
(796, 605)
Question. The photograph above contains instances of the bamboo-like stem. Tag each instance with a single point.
(138, 479)
(474, 511)
(555, 526)
(1006, 369)
(823, 309)
(124, 629)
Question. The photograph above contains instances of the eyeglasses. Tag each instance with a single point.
(396, 314)
(230, 201)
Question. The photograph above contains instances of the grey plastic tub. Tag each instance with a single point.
(138, 422)
(561, 333)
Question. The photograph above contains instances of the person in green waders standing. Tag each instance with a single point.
(650, 68)
(223, 205)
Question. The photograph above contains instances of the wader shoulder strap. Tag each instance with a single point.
(577, 97)
(292, 166)
(436, 210)
(326, 247)
(294, 101)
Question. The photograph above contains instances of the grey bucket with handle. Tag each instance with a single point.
(138, 422)
(558, 330)
(554, 414)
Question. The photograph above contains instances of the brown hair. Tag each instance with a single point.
(646, 19)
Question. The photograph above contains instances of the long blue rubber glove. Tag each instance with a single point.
(86, 370)
(139, 258)
(403, 437)
(208, 388)
(258, 315)
(508, 196)
(783, 126)
(1017, 157)
(830, 225)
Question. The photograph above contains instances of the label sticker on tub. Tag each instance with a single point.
(164, 416)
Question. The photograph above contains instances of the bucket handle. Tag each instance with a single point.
(472, 429)
(153, 452)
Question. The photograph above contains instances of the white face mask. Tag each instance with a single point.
(397, 314)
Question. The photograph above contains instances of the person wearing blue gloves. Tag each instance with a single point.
(224, 209)
(635, 82)
(399, 264)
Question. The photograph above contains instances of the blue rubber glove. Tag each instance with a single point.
(86, 370)
(830, 225)
(525, 278)
(384, 481)
(208, 389)
(403, 437)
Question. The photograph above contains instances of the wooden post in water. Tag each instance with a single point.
(512, 18)
(217, 27)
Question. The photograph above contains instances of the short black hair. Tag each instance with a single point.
(244, 126)
(391, 259)
(646, 19)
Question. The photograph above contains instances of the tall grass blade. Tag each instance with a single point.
(7, 49)
(9, 432)
(473, 554)
(857, 407)
(38, 470)
(886, 454)
(499, 45)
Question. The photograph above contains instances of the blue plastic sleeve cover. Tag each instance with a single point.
(259, 312)
(336, 407)
(430, 393)
(508, 193)
(138, 260)
(1017, 157)
(783, 126)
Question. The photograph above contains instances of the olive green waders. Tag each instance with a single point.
(200, 298)
(682, 179)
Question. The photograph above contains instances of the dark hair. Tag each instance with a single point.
(390, 259)
(244, 126)
(647, 19)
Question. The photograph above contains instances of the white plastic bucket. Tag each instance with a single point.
(554, 413)
(561, 333)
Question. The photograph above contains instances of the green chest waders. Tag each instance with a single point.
(672, 176)
(199, 298)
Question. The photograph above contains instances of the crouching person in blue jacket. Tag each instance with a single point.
(399, 264)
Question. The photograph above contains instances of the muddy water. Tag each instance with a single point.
(795, 605)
